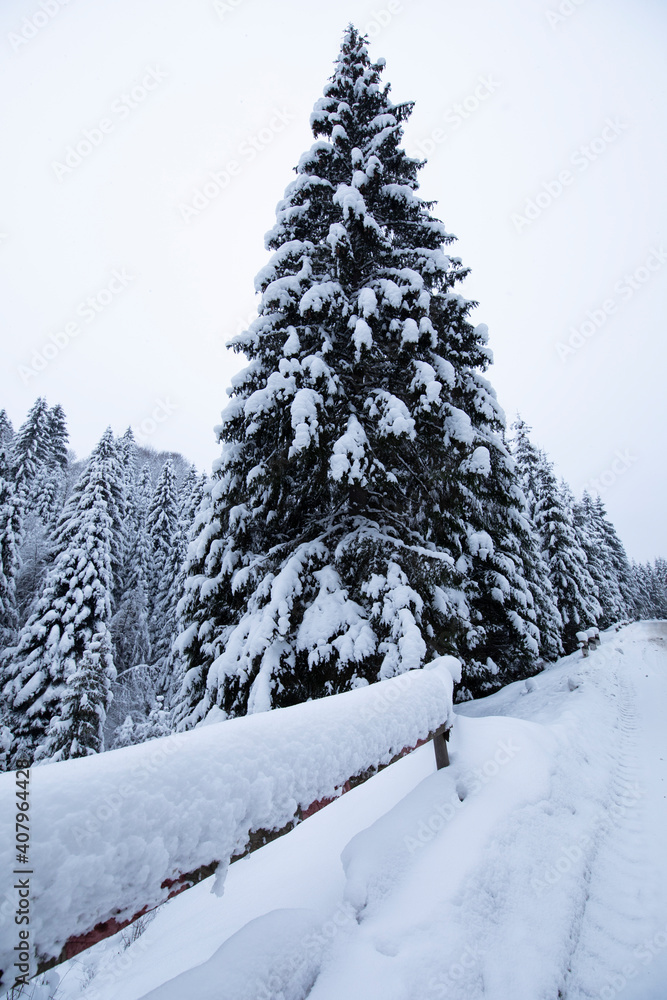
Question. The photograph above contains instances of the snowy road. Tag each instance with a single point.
(533, 868)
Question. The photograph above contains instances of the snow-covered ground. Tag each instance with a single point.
(533, 868)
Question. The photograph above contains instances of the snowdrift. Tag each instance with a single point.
(114, 835)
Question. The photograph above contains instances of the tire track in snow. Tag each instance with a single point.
(613, 920)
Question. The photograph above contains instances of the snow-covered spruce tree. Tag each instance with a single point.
(162, 528)
(547, 616)
(75, 607)
(144, 490)
(329, 546)
(641, 596)
(649, 590)
(6, 429)
(617, 560)
(129, 625)
(78, 729)
(655, 585)
(573, 586)
(599, 540)
(107, 458)
(41, 473)
(129, 459)
(125, 735)
(503, 640)
(31, 445)
(47, 495)
(58, 437)
(529, 464)
(529, 460)
(190, 495)
(134, 517)
(10, 541)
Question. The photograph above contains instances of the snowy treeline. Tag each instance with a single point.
(90, 555)
(650, 589)
(369, 511)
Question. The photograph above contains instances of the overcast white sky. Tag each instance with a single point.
(545, 89)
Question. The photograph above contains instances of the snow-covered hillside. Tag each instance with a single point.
(533, 868)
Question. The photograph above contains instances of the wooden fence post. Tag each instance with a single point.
(440, 738)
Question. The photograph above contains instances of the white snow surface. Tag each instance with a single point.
(533, 868)
(479, 462)
(349, 453)
(108, 830)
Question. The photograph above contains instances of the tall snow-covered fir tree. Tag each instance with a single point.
(346, 507)
(40, 473)
(607, 561)
(129, 626)
(48, 494)
(162, 528)
(126, 449)
(503, 641)
(616, 560)
(190, 496)
(529, 462)
(74, 610)
(6, 429)
(58, 436)
(107, 458)
(31, 448)
(10, 541)
(78, 729)
(573, 585)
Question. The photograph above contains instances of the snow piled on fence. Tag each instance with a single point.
(108, 830)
